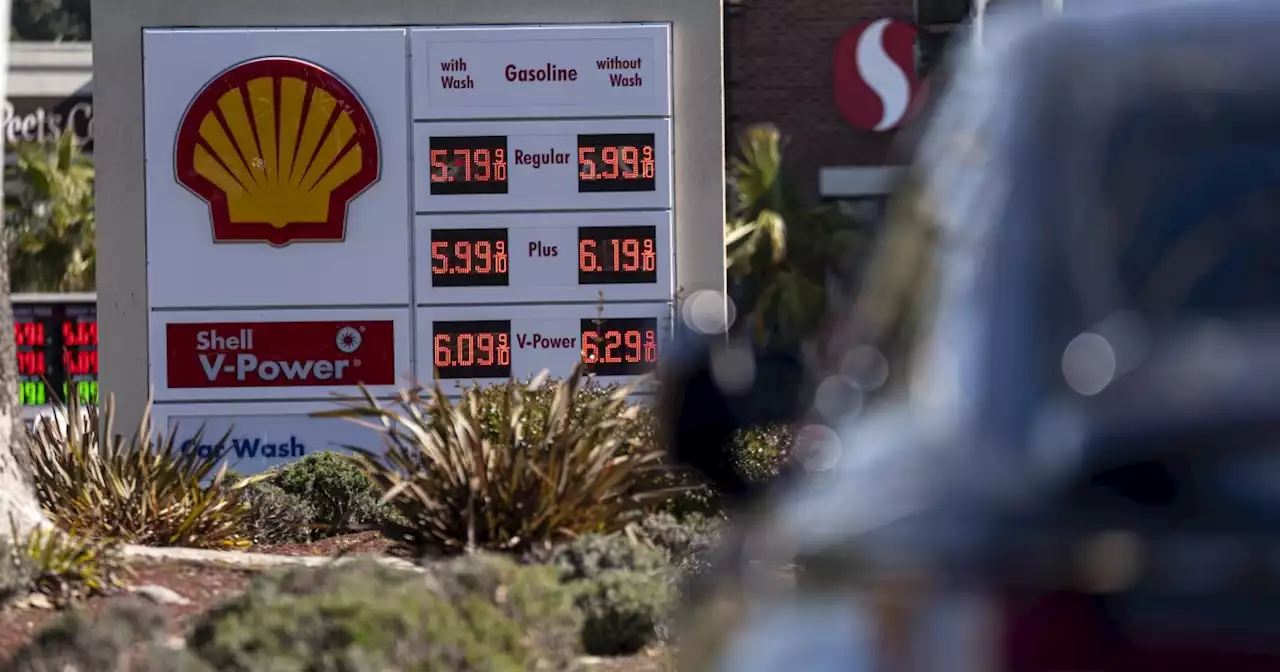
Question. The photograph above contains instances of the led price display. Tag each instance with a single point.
(474, 164)
(616, 162)
(472, 348)
(57, 352)
(620, 346)
(617, 255)
(469, 258)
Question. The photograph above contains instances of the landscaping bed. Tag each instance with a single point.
(530, 526)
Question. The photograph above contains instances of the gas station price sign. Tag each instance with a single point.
(464, 344)
(57, 349)
(542, 165)
(565, 256)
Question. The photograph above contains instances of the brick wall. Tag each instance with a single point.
(779, 71)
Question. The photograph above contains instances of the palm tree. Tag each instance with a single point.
(49, 218)
(780, 251)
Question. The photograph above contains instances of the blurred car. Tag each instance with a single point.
(1072, 462)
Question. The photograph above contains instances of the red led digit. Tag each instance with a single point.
(590, 347)
(462, 249)
(646, 163)
(504, 350)
(500, 257)
(93, 333)
(587, 256)
(466, 349)
(443, 357)
(465, 160)
(650, 346)
(482, 165)
(631, 255)
(613, 341)
(586, 165)
(500, 165)
(632, 339)
(609, 155)
(649, 258)
(483, 255)
(617, 261)
(484, 343)
(439, 261)
(439, 169)
(630, 163)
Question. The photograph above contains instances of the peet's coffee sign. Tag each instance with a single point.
(45, 118)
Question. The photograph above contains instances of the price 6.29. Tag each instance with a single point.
(620, 346)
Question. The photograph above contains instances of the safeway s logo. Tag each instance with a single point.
(280, 354)
(874, 73)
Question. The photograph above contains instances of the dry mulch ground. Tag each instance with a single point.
(361, 543)
(206, 585)
(202, 584)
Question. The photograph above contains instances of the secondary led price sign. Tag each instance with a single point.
(563, 256)
(542, 165)
(465, 344)
(57, 350)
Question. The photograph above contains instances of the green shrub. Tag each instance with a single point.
(479, 613)
(142, 490)
(688, 542)
(498, 471)
(624, 588)
(623, 611)
(590, 555)
(278, 517)
(126, 637)
(66, 568)
(758, 453)
(340, 496)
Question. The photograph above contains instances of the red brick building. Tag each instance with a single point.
(779, 56)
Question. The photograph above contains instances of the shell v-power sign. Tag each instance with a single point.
(333, 207)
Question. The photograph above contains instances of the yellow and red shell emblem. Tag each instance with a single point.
(278, 148)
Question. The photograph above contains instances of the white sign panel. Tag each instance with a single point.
(466, 344)
(216, 355)
(542, 165)
(563, 256)
(275, 168)
(529, 72)
(261, 436)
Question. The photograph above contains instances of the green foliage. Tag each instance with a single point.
(276, 516)
(51, 20)
(624, 587)
(688, 541)
(590, 555)
(124, 637)
(480, 613)
(66, 568)
(49, 218)
(779, 249)
(339, 495)
(758, 453)
(496, 471)
(624, 611)
(141, 490)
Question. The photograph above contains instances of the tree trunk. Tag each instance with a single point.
(19, 510)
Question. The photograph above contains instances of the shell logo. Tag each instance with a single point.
(278, 148)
